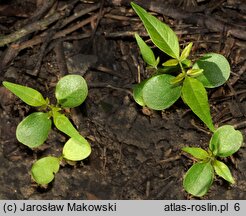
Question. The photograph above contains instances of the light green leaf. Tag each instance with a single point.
(43, 170)
(194, 72)
(216, 70)
(76, 149)
(159, 93)
(223, 171)
(160, 33)
(71, 91)
(198, 153)
(138, 93)
(34, 129)
(176, 80)
(186, 52)
(198, 179)
(64, 125)
(146, 52)
(171, 62)
(195, 96)
(29, 95)
(186, 63)
(226, 141)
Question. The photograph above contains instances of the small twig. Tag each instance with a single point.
(177, 157)
(39, 25)
(60, 59)
(240, 125)
(80, 13)
(75, 27)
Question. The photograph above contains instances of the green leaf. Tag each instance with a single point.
(216, 70)
(195, 95)
(146, 52)
(186, 51)
(29, 95)
(76, 149)
(226, 141)
(159, 93)
(138, 93)
(171, 62)
(198, 179)
(176, 80)
(43, 170)
(223, 171)
(198, 153)
(194, 72)
(160, 33)
(34, 129)
(64, 125)
(186, 63)
(71, 91)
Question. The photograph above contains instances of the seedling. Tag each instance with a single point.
(181, 77)
(224, 142)
(32, 131)
(178, 76)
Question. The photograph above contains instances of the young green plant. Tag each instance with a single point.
(224, 142)
(178, 76)
(32, 131)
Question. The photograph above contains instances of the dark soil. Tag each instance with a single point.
(136, 153)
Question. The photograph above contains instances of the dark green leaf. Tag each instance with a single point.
(76, 149)
(216, 70)
(223, 171)
(159, 93)
(198, 179)
(226, 141)
(195, 95)
(161, 34)
(146, 52)
(44, 169)
(196, 152)
(34, 129)
(71, 91)
(29, 95)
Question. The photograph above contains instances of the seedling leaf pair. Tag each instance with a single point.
(224, 142)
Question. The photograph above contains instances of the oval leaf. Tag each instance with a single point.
(146, 52)
(71, 91)
(159, 93)
(44, 169)
(34, 129)
(223, 171)
(216, 70)
(195, 96)
(29, 95)
(196, 152)
(160, 33)
(76, 149)
(226, 141)
(64, 125)
(198, 179)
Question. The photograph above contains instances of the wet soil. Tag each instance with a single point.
(136, 152)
